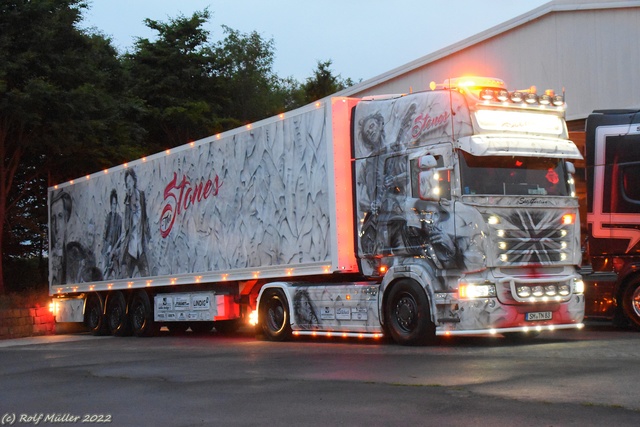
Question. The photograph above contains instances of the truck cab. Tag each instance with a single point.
(613, 216)
(467, 190)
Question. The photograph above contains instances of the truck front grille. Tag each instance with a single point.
(526, 237)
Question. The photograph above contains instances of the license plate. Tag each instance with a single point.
(539, 315)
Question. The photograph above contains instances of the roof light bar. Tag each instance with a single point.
(488, 89)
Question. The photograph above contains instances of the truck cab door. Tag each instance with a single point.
(430, 230)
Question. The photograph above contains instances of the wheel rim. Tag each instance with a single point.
(406, 310)
(139, 317)
(115, 315)
(635, 301)
(94, 317)
(275, 316)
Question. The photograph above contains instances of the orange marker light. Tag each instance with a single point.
(462, 291)
(568, 219)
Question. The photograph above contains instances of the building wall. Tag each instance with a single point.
(589, 49)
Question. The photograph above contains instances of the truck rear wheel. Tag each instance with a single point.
(274, 315)
(94, 317)
(631, 304)
(407, 314)
(117, 318)
(141, 315)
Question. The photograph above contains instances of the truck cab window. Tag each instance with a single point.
(512, 175)
(444, 178)
(631, 183)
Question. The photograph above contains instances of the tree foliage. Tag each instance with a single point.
(244, 63)
(70, 104)
(59, 102)
(323, 83)
(173, 76)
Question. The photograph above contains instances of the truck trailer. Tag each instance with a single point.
(444, 212)
(611, 269)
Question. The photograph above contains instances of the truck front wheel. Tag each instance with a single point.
(631, 304)
(407, 314)
(274, 315)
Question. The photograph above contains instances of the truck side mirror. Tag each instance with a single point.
(428, 185)
(571, 169)
(427, 162)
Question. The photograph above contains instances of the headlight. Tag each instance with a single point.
(578, 286)
(471, 290)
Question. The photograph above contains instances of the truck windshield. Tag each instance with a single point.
(512, 175)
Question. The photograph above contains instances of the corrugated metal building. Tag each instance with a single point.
(589, 48)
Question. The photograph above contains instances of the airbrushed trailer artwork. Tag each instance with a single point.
(443, 212)
(254, 199)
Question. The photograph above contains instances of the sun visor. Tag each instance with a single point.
(500, 145)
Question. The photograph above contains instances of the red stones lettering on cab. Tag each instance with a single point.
(425, 123)
(180, 195)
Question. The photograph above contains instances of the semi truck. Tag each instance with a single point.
(612, 250)
(445, 212)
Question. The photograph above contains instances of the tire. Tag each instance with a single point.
(227, 327)
(117, 318)
(274, 316)
(141, 315)
(201, 327)
(407, 314)
(631, 304)
(94, 317)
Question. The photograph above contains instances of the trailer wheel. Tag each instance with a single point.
(141, 315)
(117, 315)
(631, 304)
(94, 317)
(407, 314)
(274, 315)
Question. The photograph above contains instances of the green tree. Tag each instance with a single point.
(63, 109)
(173, 75)
(193, 87)
(252, 90)
(324, 83)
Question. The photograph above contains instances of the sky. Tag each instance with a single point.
(362, 38)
